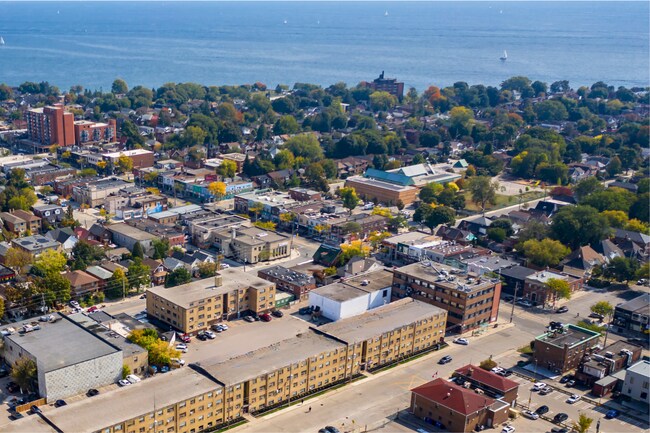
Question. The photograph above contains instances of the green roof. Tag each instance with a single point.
(396, 178)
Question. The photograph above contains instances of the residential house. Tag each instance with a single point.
(536, 288)
(65, 236)
(52, 213)
(634, 315)
(33, 223)
(581, 261)
(82, 283)
(35, 245)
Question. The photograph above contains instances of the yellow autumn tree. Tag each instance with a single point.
(354, 249)
(217, 189)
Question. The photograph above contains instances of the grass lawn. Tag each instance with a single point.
(502, 200)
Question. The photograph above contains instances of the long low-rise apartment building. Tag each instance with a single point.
(196, 306)
(195, 398)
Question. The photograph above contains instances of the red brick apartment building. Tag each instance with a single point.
(87, 132)
(50, 125)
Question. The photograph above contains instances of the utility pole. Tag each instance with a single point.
(514, 301)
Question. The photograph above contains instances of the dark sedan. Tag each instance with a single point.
(560, 417)
(542, 410)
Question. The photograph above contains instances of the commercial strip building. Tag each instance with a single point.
(195, 398)
(350, 297)
(562, 349)
(472, 301)
(196, 306)
(127, 236)
(69, 359)
(455, 408)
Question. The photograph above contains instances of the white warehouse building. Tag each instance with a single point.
(352, 296)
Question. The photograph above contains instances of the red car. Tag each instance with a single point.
(184, 338)
(92, 309)
(266, 317)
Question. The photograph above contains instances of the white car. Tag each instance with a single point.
(223, 326)
(539, 386)
(177, 361)
(462, 341)
(225, 266)
(132, 378)
(508, 429)
(182, 347)
(574, 398)
(123, 382)
(497, 370)
(211, 335)
(530, 414)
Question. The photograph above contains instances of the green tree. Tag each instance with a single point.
(614, 167)
(579, 225)
(85, 254)
(621, 269)
(483, 190)
(583, 423)
(586, 187)
(49, 262)
(640, 210)
(160, 248)
(461, 121)
(139, 274)
(488, 364)
(558, 289)
(497, 234)
(55, 287)
(430, 191)
(17, 259)
(610, 199)
(305, 146)
(207, 269)
(177, 277)
(138, 251)
(227, 169)
(126, 370)
(286, 124)
(547, 252)
(124, 164)
(117, 285)
(603, 308)
(551, 110)
(350, 198)
(119, 86)
(24, 373)
(440, 215)
(382, 101)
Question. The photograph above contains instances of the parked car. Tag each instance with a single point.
(330, 429)
(74, 304)
(562, 309)
(35, 409)
(92, 392)
(181, 347)
(573, 398)
(249, 319)
(507, 373)
(123, 382)
(539, 386)
(613, 413)
(546, 391)
(508, 429)
(596, 316)
(223, 326)
(524, 303)
(184, 338)
(265, 317)
(497, 370)
(277, 313)
(60, 403)
(201, 336)
(542, 410)
(571, 383)
(560, 417)
(164, 369)
(304, 311)
(225, 266)
(508, 298)
(133, 378)
(92, 309)
(461, 341)
(445, 359)
(530, 414)
(209, 334)
(566, 378)
(559, 430)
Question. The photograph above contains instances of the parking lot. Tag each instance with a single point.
(557, 403)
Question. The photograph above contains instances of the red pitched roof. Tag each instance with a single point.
(452, 396)
(488, 378)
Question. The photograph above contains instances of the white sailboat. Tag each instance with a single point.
(2, 41)
(386, 13)
(504, 57)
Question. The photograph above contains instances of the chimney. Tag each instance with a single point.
(218, 280)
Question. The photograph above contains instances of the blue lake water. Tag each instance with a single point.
(150, 43)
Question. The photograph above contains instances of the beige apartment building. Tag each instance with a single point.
(195, 398)
(196, 306)
(251, 244)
